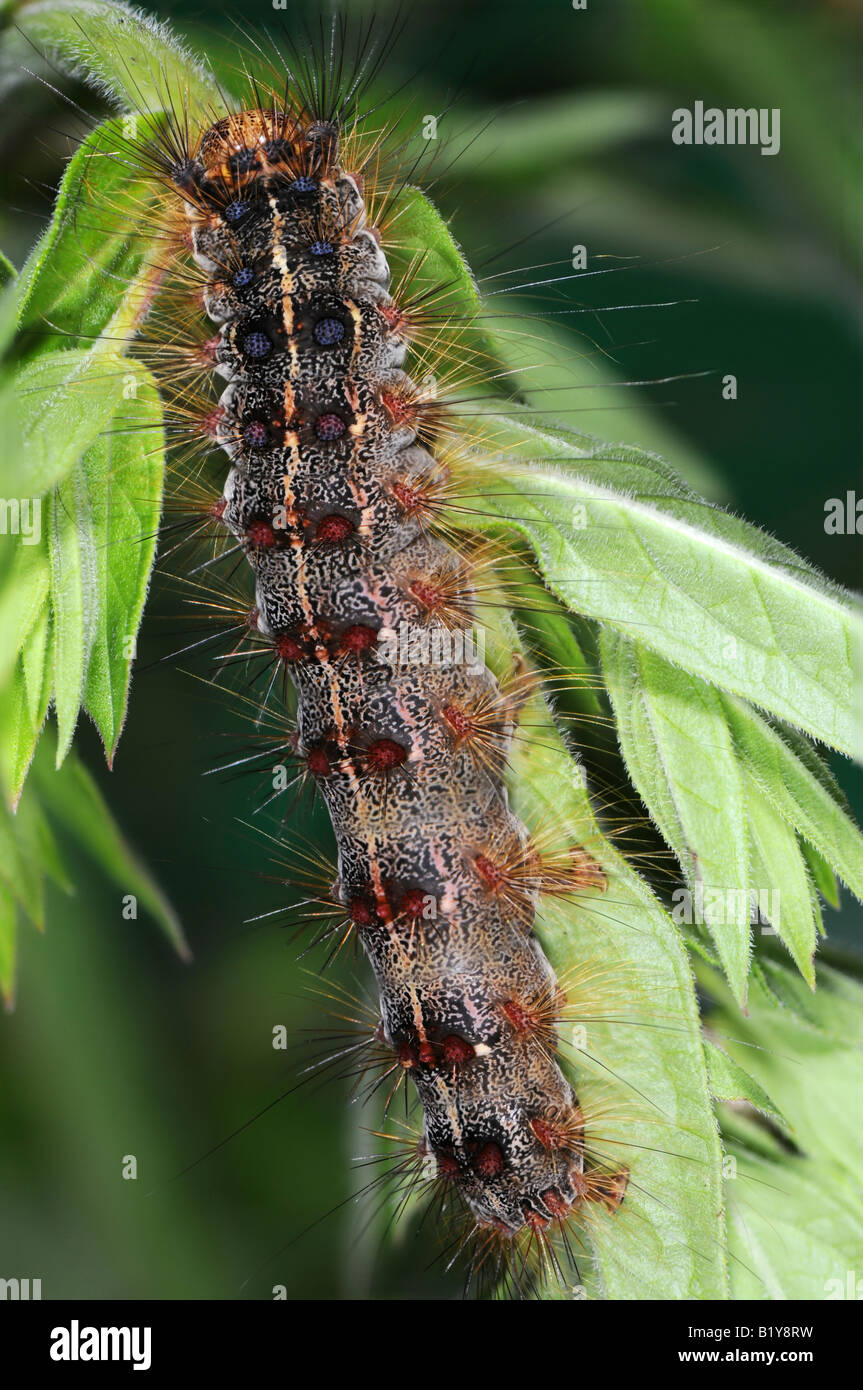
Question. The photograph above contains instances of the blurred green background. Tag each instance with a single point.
(117, 1048)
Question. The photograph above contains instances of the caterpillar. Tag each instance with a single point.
(330, 494)
(322, 427)
(342, 496)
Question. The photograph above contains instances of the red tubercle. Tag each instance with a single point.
(402, 409)
(288, 648)
(384, 755)
(427, 1054)
(490, 1162)
(407, 1056)
(334, 529)
(427, 594)
(492, 875)
(318, 763)
(358, 638)
(217, 508)
(458, 720)
(534, 1220)
(581, 1182)
(447, 1165)
(557, 1205)
(550, 1133)
(395, 319)
(413, 903)
(261, 535)
(417, 497)
(209, 424)
(207, 351)
(455, 1050)
(366, 913)
(409, 498)
(523, 1020)
(361, 914)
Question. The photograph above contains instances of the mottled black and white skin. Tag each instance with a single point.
(325, 460)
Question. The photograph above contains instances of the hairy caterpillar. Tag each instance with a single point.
(328, 478)
(347, 474)
(337, 474)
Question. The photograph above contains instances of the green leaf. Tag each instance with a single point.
(78, 807)
(795, 1219)
(424, 244)
(619, 538)
(822, 875)
(25, 580)
(795, 1228)
(74, 579)
(730, 1082)
(65, 401)
(128, 57)
(726, 828)
(36, 668)
(832, 1012)
(682, 761)
(90, 421)
(803, 797)
(781, 881)
(24, 701)
(425, 257)
(29, 857)
(101, 524)
(18, 735)
(563, 643)
(670, 1245)
(807, 1058)
(124, 475)
(92, 273)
